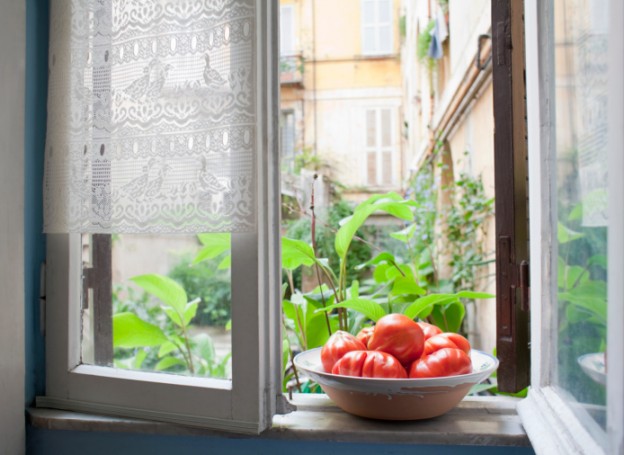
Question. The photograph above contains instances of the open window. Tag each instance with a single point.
(574, 99)
(190, 93)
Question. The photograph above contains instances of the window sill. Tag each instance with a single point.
(480, 421)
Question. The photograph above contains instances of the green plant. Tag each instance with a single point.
(162, 335)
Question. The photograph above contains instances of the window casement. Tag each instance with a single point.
(247, 402)
(575, 105)
(377, 30)
(380, 147)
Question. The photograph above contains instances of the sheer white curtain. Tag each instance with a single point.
(151, 116)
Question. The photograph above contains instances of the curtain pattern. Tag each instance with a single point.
(151, 117)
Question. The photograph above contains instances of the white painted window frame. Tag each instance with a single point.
(378, 148)
(546, 413)
(247, 403)
(376, 24)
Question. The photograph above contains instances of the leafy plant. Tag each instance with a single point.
(167, 338)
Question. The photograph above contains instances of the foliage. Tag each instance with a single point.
(207, 278)
(155, 335)
(582, 296)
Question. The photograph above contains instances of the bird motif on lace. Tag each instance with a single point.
(158, 73)
(208, 181)
(212, 78)
(154, 185)
(151, 83)
(136, 187)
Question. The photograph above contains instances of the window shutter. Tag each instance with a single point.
(511, 188)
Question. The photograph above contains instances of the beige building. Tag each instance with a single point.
(448, 105)
(341, 91)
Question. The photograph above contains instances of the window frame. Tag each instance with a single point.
(247, 403)
(287, 30)
(376, 27)
(547, 416)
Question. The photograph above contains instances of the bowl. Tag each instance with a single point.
(594, 366)
(396, 399)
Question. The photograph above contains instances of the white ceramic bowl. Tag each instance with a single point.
(396, 399)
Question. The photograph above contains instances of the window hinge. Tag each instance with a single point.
(42, 298)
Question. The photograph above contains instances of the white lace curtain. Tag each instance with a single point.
(151, 116)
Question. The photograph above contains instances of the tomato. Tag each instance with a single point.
(369, 364)
(338, 345)
(444, 362)
(365, 334)
(446, 340)
(398, 335)
(429, 329)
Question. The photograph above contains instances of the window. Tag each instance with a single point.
(380, 147)
(574, 87)
(287, 30)
(78, 373)
(377, 30)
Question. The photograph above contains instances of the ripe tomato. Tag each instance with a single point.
(429, 329)
(338, 345)
(446, 340)
(398, 335)
(444, 362)
(369, 364)
(365, 334)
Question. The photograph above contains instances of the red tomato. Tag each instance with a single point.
(365, 334)
(369, 364)
(445, 362)
(429, 329)
(446, 340)
(338, 345)
(398, 335)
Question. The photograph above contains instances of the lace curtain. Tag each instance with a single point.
(151, 116)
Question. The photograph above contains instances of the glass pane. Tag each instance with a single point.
(581, 40)
(158, 303)
(371, 128)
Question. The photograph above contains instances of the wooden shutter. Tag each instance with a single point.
(510, 168)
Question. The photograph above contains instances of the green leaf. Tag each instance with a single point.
(405, 235)
(474, 295)
(390, 203)
(214, 245)
(226, 263)
(355, 289)
(130, 331)
(296, 253)
(204, 347)
(165, 289)
(424, 303)
(372, 310)
(383, 257)
(168, 362)
(449, 317)
(190, 310)
(139, 358)
(406, 285)
(565, 234)
(316, 330)
(173, 315)
(166, 348)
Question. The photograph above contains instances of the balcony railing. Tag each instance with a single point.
(291, 69)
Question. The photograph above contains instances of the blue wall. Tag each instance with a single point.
(46, 442)
(76, 443)
(37, 31)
